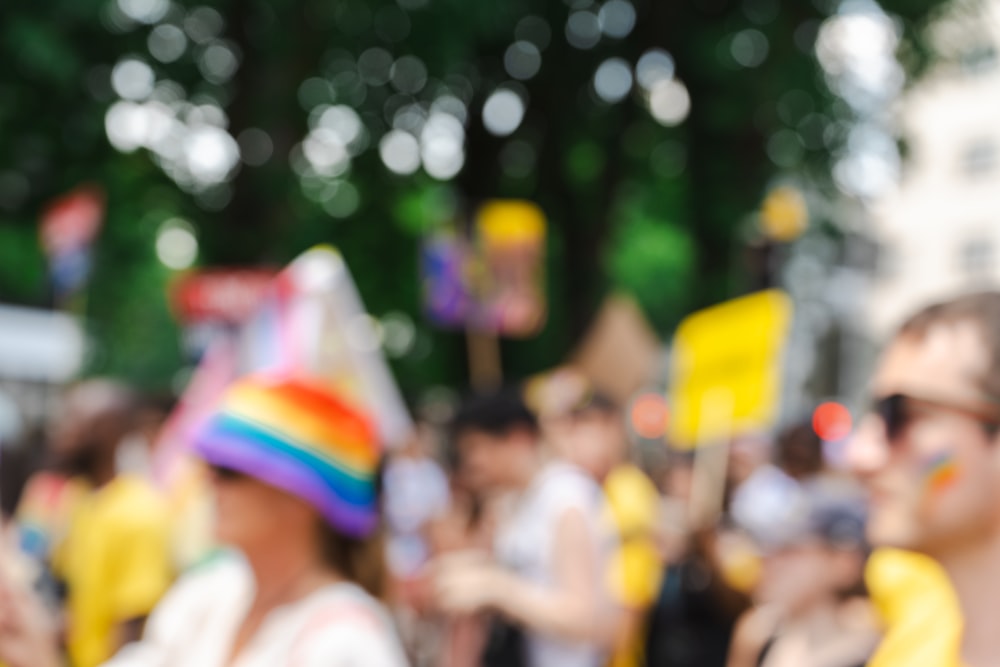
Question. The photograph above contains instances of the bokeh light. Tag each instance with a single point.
(649, 416)
(126, 126)
(442, 148)
(398, 334)
(167, 43)
(256, 146)
(314, 92)
(410, 117)
(535, 30)
(375, 66)
(832, 421)
(132, 79)
(400, 152)
(583, 30)
(617, 18)
(326, 152)
(408, 75)
(450, 104)
(341, 199)
(203, 24)
(613, 80)
(522, 60)
(669, 102)
(749, 48)
(345, 123)
(210, 154)
(218, 62)
(144, 11)
(503, 112)
(654, 66)
(176, 245)
(785, 148)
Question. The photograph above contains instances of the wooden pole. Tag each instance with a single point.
(485, 368)
(711, 459)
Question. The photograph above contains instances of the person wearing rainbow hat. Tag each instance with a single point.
(294, 470)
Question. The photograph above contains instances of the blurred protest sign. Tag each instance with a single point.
(39, 345)
(213, 302)
(492, 284)
(729, 354)
(509, 288)
(444, 261)
(725, 382)
(311, 320)
(67, 230)
(227, 295)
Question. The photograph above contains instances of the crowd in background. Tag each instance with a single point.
(523, 528)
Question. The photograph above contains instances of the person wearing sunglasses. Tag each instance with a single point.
(929, 454)
(294, 471)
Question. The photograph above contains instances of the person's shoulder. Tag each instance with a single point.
(344, 622)
(754, 631)
(346, 603)
(221, 573)
(559, 477)
(628, 479)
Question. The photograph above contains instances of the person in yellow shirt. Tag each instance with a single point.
(115, 556)
(914, 598)
(929, 453)
(636, 570)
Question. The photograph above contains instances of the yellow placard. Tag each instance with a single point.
(726, 370)
(503, 222)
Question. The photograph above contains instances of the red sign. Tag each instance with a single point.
(220, 295)
(72, 221)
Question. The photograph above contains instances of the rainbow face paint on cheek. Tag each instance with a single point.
(940, 473)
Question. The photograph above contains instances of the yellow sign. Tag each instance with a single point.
(503, 222)
(726, 371)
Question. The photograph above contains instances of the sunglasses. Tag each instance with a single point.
(897, 412)
(224, 474)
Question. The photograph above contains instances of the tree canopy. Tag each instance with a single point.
(648, 131)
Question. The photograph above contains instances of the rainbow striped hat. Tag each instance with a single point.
(297, 435)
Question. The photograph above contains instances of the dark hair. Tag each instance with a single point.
(982, 309)
(359, 560)
(799, 452)
(497, 413)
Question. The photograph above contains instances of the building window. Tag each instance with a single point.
(979, 157)
(976, 257)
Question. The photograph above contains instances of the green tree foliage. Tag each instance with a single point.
(654, 207)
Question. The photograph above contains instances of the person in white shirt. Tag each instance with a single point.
(294, 470)
(546, 576)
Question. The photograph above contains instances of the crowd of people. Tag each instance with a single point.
(526, 529)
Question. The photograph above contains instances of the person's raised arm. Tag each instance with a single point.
(572, 608)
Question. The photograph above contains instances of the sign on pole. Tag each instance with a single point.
(725, 381)
(729, 355)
